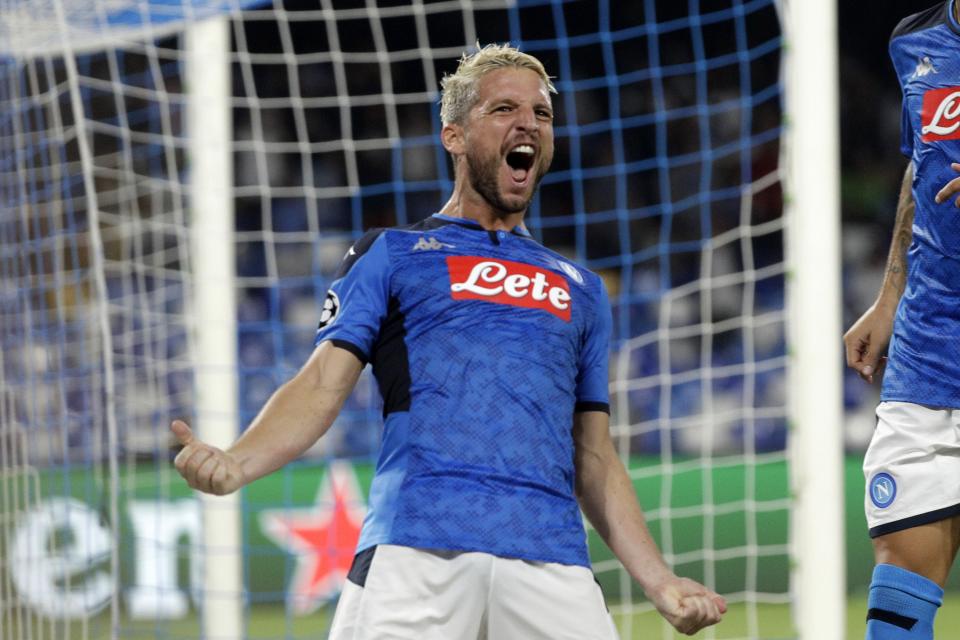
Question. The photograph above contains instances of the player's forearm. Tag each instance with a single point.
(607, 497)
(895, 277)
(298, 413)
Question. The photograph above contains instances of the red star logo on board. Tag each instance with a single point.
(323, 537)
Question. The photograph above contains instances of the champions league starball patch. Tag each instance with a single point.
(883, 490)
(331, 307)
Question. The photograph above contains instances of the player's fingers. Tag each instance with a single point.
(866, 364)
(193, 464)
(870, 371)
(702, 612)
(693, 616)
(183, 458)
(219, 480)
(851, 351)
(721, 603)
(948, 190)
(671, 608)
(205, 473)
(182, 431)
(881, 365)
(859, 356)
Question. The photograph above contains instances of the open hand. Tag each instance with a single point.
(687, 605)
(205, 467)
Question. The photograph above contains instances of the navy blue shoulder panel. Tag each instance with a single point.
(427, 224)
(363, 245)
(359, 248)
(935, 15)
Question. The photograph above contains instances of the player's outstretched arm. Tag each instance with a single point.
(866, 341)
(294, 417)
(607, 497)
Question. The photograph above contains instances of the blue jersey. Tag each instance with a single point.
(924, 352)
(484, 344)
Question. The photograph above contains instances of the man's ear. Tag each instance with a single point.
(451, 136)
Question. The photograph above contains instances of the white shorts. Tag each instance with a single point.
(446, 595)
(912, 467)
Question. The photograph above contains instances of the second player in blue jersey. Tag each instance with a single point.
(912, 466)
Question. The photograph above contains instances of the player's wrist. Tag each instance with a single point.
(887, 302)
(655, 582)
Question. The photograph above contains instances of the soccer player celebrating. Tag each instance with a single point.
(490, 352)
(912, 466)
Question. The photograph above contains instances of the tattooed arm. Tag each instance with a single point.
(867, 340)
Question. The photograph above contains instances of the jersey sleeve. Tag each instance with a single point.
(593, 376)
(901, 66)
(356, 303)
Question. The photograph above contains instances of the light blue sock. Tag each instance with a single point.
(901, 605)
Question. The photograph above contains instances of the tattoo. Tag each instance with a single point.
(902, 237)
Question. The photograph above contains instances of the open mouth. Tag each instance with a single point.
(520, 160)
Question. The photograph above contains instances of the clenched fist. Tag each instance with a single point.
(205, 467)
(687, 605)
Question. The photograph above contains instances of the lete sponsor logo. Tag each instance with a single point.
(940, 115)
(512, 283)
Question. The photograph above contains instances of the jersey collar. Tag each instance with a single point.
(473, 224)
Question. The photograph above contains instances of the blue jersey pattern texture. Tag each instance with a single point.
(924, 352)
(484, 344)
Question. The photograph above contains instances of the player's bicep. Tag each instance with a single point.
(594, 452)
(331, 372)
(591, 430)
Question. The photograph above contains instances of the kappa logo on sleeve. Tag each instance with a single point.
(940, 115)
(511, 283)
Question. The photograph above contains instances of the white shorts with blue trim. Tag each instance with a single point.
(912, 467)
(402, 593)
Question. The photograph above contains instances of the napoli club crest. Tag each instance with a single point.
(883, 490)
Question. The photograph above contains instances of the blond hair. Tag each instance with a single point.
(459, 89)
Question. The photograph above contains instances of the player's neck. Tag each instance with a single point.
(461, 205)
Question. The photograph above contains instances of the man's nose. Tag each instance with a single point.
(527, 119)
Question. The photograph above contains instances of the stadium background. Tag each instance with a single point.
(871, 175)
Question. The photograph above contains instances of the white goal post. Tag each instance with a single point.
(812, 177)
(209, 129)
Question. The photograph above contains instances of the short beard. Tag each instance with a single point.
(485, 181)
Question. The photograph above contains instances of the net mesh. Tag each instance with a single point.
(665, 182)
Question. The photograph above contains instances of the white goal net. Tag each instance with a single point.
(117, 149)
